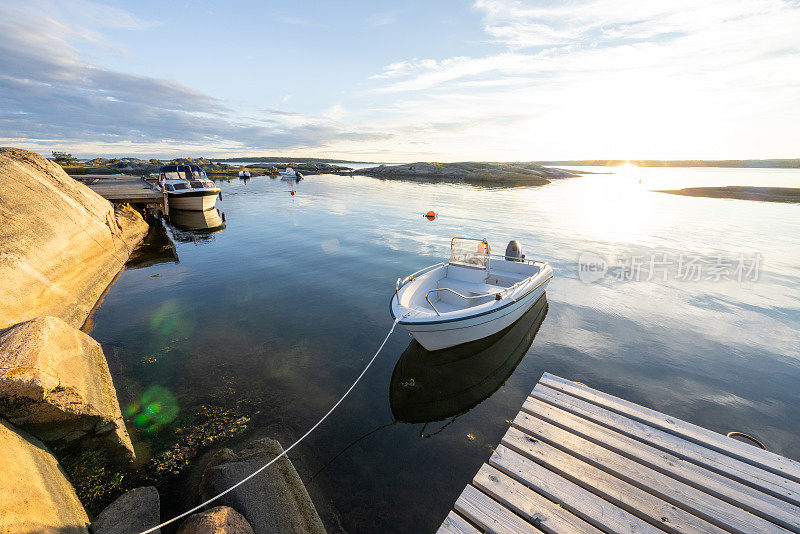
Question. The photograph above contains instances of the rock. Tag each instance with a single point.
(274, 501)
(62, 244)
(133, 512)
(36, 497)
(304, 168)
(519, 173)
(761, 194)
(219, 520)
(55, 384)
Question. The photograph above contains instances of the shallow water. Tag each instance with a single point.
(275, 314)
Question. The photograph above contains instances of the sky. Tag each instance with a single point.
(497, 80)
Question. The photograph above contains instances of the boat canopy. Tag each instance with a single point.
(471, 252)
(181, 172)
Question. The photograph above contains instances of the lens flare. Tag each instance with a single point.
(157, 408)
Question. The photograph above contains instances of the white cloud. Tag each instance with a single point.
(381, 19)
(620, 79)
(51, 95)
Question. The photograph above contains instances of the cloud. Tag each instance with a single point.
(50, 94)
(381, 19)
(93, 14)
(588, 78)
(702, 79)
(280, 112)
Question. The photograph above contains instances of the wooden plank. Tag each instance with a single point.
(586, 505)
(489, 514)
(455, 524)
(129, 189)
(747, 453)
(629, 497)
(750, 499)
(691, 499)
(745, 473)
(542, 513)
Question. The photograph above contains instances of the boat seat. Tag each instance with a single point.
(469, 289)
(505, 278)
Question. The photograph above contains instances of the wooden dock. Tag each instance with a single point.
(130, 189)
(579, 460)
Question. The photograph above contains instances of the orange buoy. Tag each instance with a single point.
(431, 215)
(291, 193)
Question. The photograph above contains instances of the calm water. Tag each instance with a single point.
(274, 316)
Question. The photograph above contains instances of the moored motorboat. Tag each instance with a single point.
(244, 173)
(431, 386)
(187, 187)
(290, 174)
(472, 296)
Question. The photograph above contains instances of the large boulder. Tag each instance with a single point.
(133, 512)
(219, 520)
(274, 502)
(61, 244)
(55, 384)
(36, 497)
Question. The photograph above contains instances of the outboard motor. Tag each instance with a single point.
(514, 251)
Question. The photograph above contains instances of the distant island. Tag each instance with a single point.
(140, 167)
(470, 171)
(763, 194)
(743, 163)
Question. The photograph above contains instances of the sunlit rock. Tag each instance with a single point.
(36, 497)
(61, 243)
(218, 520)
(55, 383)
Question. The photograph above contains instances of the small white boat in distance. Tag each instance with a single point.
(470, 297)
(187, 187)
(290, 174)
(244, 173)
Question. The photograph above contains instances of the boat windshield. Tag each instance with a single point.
(472, 252)
(198, 185)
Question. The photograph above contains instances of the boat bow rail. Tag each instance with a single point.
(400, 283)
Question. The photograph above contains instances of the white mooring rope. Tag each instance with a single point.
(310, 430)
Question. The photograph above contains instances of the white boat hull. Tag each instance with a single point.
(442, 335)
(193, 202)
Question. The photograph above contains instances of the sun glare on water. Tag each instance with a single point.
(615, 205)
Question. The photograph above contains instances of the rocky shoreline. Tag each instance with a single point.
(61, 426)
(139, 167)
(471, 172)
(762, 194)
(513, 173)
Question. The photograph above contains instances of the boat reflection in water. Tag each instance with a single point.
(188, 226)
(155, 248)
(431, 386)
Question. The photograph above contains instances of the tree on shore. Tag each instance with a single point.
(155, 161)
(63, 158)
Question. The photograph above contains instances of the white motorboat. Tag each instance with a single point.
(472, 296)
(188, 187)
(431, 386)
(290, 174)
(244, 173)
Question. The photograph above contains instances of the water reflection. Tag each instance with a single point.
(431, 386)
(188, 226)
(155, 248)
